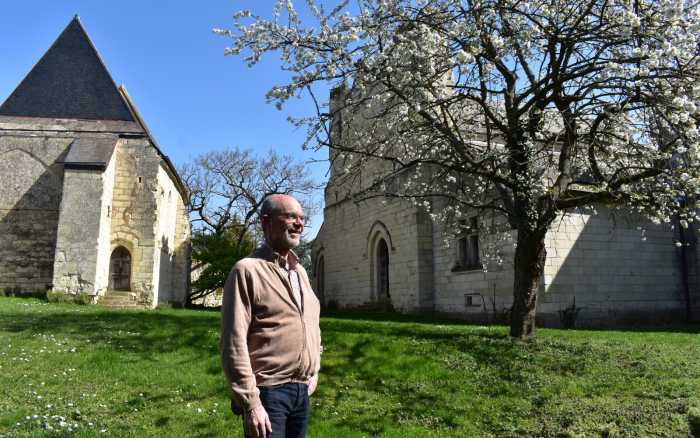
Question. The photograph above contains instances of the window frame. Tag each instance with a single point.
(468, 252)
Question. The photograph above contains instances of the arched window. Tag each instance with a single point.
(120, 269)
(382, 271)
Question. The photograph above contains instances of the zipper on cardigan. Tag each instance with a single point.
(300, 311)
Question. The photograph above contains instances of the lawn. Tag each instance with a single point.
(89, 371)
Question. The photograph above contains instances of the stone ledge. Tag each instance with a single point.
(8, 123)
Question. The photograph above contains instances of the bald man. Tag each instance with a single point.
(270, 336)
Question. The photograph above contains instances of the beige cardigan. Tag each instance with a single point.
(265, 339)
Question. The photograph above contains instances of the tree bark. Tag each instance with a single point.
(530, 255)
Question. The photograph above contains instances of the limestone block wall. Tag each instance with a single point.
(348, 241)
(77, 241)
(351, 173)
(618, 268)
(182, 259)
(164, 233)
(613, 271)
(425, 248)
(65, 242)
(617, 272)
(170, 255)
(134, 207)
(104, 247)
(479, 295)
(30, 198)
(693, 260)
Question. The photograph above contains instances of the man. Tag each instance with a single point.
(270, 336)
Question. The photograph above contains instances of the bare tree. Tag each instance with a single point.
(226, 189)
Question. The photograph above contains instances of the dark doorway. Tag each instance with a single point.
(120, 269)
(382, 271)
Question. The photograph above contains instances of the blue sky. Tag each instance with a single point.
(193, 98)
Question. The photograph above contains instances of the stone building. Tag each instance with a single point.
(602, 269)
(90, 204)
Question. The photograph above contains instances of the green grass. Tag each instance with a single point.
(156, 373)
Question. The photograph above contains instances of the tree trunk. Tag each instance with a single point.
(530, 255)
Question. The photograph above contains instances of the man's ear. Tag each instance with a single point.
(264, 220)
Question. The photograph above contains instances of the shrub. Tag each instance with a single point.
(694, 421)
(62, 297)
(178, 305)
(569, 315)
(36, 293)
(610, 431)
(16, 291)
(83, 299)
(56, 297)
(11, 291)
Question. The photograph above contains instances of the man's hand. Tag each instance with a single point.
(313, 381)
(257, 422)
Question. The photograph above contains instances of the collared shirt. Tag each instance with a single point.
(289, 265)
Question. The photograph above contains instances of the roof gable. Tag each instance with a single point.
(69, 82)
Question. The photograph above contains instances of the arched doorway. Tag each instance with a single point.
(120, 269)
(382, 264)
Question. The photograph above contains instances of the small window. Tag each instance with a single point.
(472, 300)
(468, 244)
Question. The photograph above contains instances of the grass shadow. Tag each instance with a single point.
(145, 333)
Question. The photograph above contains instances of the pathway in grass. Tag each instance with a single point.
(90, 371)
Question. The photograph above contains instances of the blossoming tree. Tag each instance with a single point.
(524, 108)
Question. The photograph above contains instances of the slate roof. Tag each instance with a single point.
(90, 152)
(69, 82)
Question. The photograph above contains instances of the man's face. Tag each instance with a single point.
(285, 224)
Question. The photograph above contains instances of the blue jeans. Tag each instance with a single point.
(287, 405)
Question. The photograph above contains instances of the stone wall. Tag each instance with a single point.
(75, 267)
(31, 181)
(134, 206)
(170, 254)
(612, 271)
(183, 261)
(348, 242)
(618, 269)
(104, 245)
(58, 227)
(150, 220)
(615, 266)
(479, 295)
(81, 261)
